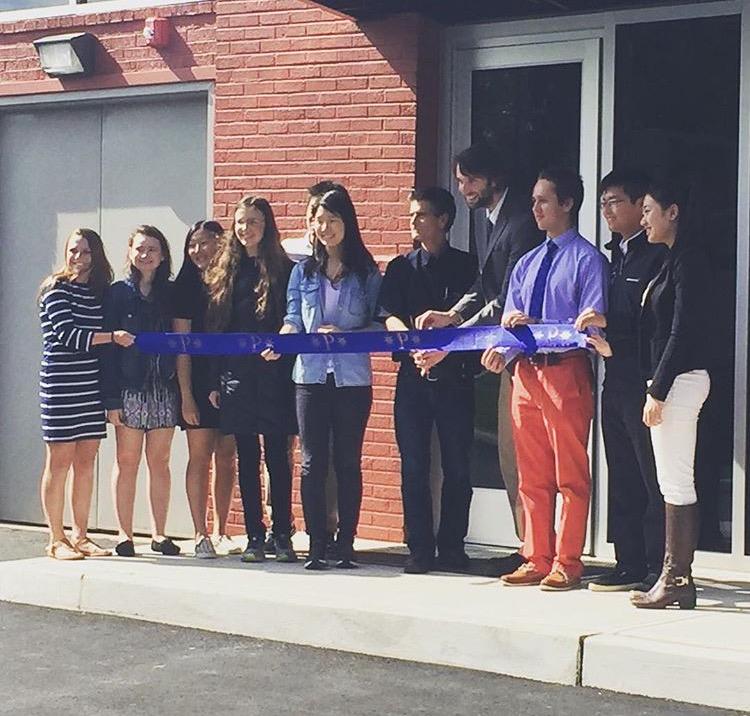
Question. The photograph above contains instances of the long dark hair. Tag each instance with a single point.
(100, 275)
(160, 285)
(190, 278)
(667, 188)
(355, 258)
(273, 265)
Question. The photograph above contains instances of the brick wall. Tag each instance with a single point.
(304, 94)
(122, 58)
(301, 94)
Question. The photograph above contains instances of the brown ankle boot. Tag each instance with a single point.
(675, 585)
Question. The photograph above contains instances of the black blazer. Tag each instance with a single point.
(515, 233)
(675, 317)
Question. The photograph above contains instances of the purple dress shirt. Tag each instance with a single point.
(578, 279)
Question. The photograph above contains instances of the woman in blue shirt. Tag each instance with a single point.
(335, 290)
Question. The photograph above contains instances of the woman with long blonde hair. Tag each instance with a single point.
(73, 420)
(247, 294)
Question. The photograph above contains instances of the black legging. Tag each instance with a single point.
(275, 452)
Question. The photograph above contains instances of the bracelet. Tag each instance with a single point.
(112, 337)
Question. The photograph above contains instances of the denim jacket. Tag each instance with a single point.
(355, 311)
(125, 309)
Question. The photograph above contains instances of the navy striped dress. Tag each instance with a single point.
(69, 390)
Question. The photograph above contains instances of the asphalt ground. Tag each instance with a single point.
(60, 663)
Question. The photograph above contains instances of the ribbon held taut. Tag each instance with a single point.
(536, 338)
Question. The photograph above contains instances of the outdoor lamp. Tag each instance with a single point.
(66, 55)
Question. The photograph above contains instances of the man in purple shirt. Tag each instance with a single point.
(552, 394)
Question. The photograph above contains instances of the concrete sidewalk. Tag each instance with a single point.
(579, 637)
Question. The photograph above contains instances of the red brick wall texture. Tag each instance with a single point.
(301, 94)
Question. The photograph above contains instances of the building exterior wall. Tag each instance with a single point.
(301, 94)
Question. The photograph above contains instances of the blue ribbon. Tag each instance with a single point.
(531, 339)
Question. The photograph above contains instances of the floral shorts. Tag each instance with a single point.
(155, 407)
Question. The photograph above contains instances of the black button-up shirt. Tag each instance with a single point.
(417, 282)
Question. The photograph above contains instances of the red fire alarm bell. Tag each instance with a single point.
(156, 31)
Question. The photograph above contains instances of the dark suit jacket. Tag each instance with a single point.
(675, 320)
(515, 233)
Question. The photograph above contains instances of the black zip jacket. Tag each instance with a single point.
(629, 275)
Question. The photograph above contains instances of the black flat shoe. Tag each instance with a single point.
(125, 549)
(165, 547)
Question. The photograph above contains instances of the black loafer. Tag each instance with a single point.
(125, 548)
(454, 560)
(165, 547)
(418, 565)
(500, 566)
(617, 580)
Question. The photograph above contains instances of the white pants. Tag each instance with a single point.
(674, 439)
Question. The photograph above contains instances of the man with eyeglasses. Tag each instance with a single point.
(636, 507)
(433, 276)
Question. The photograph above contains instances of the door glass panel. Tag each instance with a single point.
(534, 115)
(679, 107)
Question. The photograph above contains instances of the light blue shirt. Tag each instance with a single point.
(578, 279)
(354, 311)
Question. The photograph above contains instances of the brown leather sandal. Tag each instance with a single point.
(63, 550)
(89, 548)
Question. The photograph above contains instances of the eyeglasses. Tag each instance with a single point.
(610, 203)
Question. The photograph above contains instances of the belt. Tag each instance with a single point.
(540, 360)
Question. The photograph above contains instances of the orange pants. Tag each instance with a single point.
(552, 408)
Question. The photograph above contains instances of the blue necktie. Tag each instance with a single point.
(540, 282)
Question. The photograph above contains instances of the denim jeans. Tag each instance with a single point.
(449, 405)
(324, 412)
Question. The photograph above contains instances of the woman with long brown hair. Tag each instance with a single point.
(140, 390)
(73, 421)
(247, 294)
(199, 419)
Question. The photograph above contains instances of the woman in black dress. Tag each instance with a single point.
(247, 294)
(199, 418)
(73, 423)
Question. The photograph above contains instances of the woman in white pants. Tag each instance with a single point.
(676, 308)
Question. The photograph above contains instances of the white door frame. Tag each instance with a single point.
(460, 40)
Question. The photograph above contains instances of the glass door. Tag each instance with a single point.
(539, 101)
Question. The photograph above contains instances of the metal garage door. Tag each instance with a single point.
(108, 166)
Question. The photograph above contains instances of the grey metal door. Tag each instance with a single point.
(107, 166)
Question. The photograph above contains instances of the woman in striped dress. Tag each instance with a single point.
(73, 422)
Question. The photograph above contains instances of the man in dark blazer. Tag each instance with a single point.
(503, 230)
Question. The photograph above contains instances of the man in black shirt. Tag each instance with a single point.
(636, 507)
(432, 277)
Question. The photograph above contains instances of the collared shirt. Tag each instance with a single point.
(494, 213)
(417, 282)
(624, 243)
(357, 302)
(577, 280)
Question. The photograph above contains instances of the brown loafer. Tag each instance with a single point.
(525, 576)
(89, 548)
(558, 581)
(63, 550)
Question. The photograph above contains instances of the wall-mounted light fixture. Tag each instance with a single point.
(67, 55)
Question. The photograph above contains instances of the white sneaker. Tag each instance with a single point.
(225, 545)
(205, 549)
